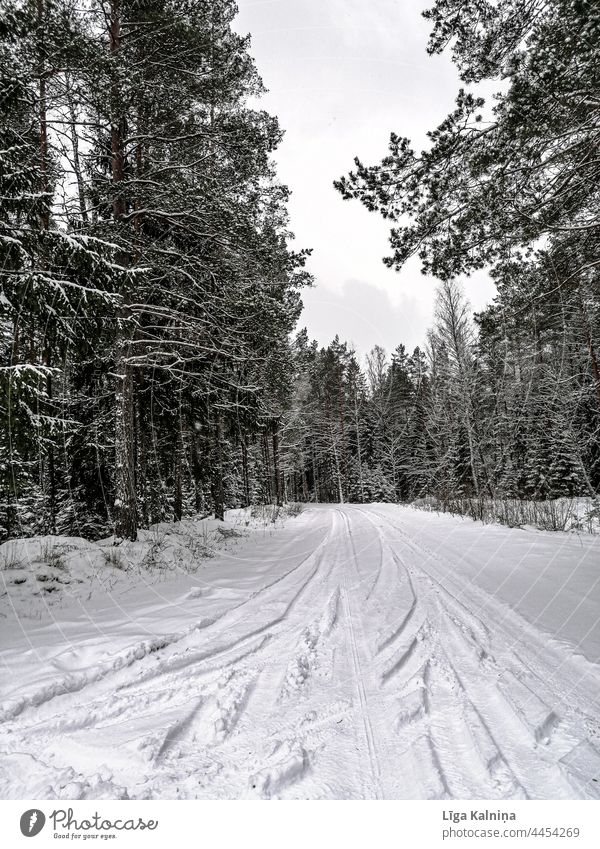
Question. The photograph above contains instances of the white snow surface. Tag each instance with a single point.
(355, 652)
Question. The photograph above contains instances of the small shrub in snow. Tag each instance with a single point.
(113, 558)
(52, 556)
(153, 558)
(228, 533)
(9, 559)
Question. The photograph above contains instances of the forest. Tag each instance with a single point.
(151, 366)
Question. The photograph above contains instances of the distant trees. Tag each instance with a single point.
(486, 412)
(512, 188)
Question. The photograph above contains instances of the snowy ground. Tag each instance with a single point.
(355, 652)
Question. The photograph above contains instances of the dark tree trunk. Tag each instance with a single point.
(117, 118)
(315, 479)
(246, 479)
(142, 451)
(276, 474)
(218, 485)
(45, 225)
(177, 473)
(196, 473)
(42, 107)
(126, 520)
(51, 470)
(267, 465)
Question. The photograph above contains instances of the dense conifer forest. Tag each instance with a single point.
(150, 362)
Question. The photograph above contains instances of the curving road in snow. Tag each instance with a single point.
(358, 652)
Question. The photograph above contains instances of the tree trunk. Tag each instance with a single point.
(75, 148)
(276, 475)
(338, 472)
(126, 519)
(267, 465)
(177, 472)
(196, 473)
(245, 478)
(142, 455)
(117, 118)
(42, 107)
(342, 459)
(51, 460)
(359, 453)
(45, 225)
(315, 480)
(218, 486)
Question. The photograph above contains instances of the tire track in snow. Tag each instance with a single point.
(452, 702)
(383, 644)
(506, 705)
(269, 629)
(358, 672)
(292, 646)
(78, 681)
(510, 621)
(140, 693)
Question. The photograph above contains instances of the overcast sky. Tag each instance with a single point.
(341, 75)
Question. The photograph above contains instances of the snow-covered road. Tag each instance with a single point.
(358, 652)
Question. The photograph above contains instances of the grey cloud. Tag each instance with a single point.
(363, 315)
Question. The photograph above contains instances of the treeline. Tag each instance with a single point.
(490, 409)
(513, 186)
(148, 285)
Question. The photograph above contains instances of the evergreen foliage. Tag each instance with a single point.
(148, 367)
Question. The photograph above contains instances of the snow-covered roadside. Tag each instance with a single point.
(41, 573)
(73, 611)
(577, 515)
